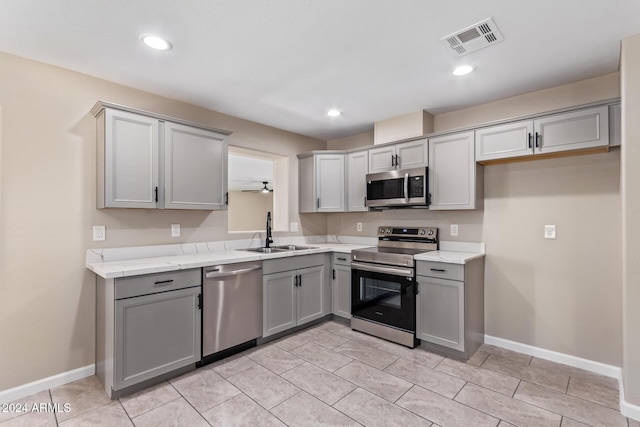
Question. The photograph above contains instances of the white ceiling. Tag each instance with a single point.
(284, 63)
(249, 173)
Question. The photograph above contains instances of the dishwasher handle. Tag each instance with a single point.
(215, 274)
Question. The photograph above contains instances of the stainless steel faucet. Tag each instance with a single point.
(269, 239)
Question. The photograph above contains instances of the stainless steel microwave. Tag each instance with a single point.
(398, 188)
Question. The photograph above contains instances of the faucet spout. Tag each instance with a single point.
(269, 238)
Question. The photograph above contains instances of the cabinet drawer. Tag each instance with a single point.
(440, 270)
(292, 263)
(127, 287)
(341, 258)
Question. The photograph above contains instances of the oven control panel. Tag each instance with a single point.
(424, 232)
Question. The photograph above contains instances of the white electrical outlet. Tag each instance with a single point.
(293, 227)
(549, 231)
(99, 233)
(454, 229)
(175, 230)
(358, 226)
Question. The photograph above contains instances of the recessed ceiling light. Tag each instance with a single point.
(155, 42)
(462, 70)
(333, 113)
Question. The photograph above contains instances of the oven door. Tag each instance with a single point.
(384, 295)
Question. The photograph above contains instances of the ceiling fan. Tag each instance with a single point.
(264, 189)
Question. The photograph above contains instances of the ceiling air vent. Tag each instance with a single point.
(473, 38)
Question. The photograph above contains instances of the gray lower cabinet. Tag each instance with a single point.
(295, 292)
(147, 326)
(450, 306)
(341, 285)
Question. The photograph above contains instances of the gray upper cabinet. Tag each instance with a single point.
(412, 154)
(195, 168)
(455, 180)
(127, 160)
(587, 128)
(321, 183)
(357, 169)
(146, 161)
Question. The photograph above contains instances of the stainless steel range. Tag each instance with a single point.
(383, 283)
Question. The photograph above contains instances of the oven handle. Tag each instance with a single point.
(406, 187)
(404, 272)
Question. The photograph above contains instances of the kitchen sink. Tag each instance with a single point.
(294, 247)
(264, 250)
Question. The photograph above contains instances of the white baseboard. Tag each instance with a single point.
(19, 392)
(627, 409)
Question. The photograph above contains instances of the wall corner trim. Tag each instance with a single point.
(627, 409)
(25, 390)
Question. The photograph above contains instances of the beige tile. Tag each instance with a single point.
(275, 359)
(373, 411)
(430, 379)
(506, 408)
(25, 405)
(333, 326)
(305, 410)
(149, 399)
(204, 389)
(290, 342)
(568, 422)
(369, 355)
(478, 358)
(316, 381)
(360, 337)
(569, 406)
(633, 423)
(417, 355)
(575, 372)
(176, 413)
(232, 365)
(543, 377)
(32, 419)
(489, 379)
(505, 424)
(374, 380)
(263, 386)
(240, 411)
(515, 357)
(112, 415)
(83, 396)
(594, 393)
(320, 356)
(323, 338)
(443, 411)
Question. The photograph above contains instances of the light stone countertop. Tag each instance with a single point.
(450, 257)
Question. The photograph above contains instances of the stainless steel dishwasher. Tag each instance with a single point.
(231, 308)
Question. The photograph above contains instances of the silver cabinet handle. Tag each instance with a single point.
(406, 187)
(214, 273)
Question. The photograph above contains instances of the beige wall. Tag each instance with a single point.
(248, 210)
(562, 295)
(355, 141)
(48, 167)
(630, 68)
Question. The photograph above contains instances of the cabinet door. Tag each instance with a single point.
(342, 291)
(279, 298)
(195, 168)
(440, 316)
(452, 172)
(572, 131)
(381, 159)
(412, 154)
(504, 141)
(357, 169)
(310, 294)
(330, 182)
(128, 166)
(156, 334)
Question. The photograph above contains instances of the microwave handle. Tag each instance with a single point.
(406, 188)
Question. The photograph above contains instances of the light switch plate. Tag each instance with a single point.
(175, 230)
(454, 229)
(358, 226)
(293, 227)
(99, 232)
(549, 231)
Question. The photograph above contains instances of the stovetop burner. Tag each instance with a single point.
(398, 245)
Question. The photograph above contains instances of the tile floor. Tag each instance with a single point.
(330, 375)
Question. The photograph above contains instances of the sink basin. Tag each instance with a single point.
(294, 247)
(264, 250)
